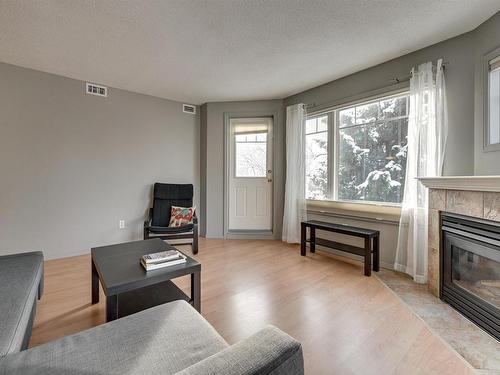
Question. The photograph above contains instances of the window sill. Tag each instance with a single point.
(378, 212)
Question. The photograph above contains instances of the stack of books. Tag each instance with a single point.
(162, 259)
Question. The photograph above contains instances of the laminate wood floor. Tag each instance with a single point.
(347, 323)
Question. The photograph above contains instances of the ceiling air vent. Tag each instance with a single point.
(188, 108)
(98, 90)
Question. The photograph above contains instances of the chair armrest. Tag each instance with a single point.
(269, 351)
(195, 219)
(147, 222)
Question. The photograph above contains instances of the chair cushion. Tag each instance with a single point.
(173, 191)
(162, 340)
(167, 195)
(20, 277)
(171, 230)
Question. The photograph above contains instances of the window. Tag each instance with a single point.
(251, 155)
(493, 129)
(372, 150)
(370, 154)
(317, 157)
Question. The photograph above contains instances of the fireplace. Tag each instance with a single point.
(470, 269)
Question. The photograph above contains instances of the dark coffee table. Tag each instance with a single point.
(127, 285)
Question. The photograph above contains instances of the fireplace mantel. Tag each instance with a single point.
(468, 183)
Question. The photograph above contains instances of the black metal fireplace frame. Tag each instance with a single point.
(485, 236)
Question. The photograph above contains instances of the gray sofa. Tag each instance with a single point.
(167, 339)
(21, 284)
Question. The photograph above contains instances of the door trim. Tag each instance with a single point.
(247, 234)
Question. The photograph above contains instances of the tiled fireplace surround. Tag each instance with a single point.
(476, 196)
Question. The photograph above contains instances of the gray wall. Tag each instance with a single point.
(459, 158)
(212, 160)
(72, 165)
(487, 38)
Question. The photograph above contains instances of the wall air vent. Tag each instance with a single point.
(188, 108)
(94, 89)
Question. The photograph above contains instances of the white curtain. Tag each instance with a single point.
(295, 202)
(427, 130)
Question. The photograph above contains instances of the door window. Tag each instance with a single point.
(251, 154)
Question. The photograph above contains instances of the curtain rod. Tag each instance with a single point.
(407, 78)
(394, 81)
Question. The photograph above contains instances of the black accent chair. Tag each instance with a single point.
(164, 197)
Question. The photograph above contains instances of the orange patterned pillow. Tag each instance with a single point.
(180, 216)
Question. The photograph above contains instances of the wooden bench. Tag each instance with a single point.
(371, 237)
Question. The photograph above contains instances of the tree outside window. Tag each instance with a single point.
(371, 156)
(317, 158)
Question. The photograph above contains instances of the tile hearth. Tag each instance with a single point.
(477, 347)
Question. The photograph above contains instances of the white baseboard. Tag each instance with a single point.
(250, 235)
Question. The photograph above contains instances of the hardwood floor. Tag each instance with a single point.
(347, 323)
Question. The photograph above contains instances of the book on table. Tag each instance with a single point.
(162, 259)
(161, 256)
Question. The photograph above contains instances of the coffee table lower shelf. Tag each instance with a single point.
(143, 298)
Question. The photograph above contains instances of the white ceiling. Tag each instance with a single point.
(199, 51)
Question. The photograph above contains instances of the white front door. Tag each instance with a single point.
(250, 174)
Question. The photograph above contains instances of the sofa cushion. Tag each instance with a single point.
(20, 282)
(162, 340)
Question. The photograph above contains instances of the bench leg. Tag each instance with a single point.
(312, 242)
(303, 239)
(368, 257)
(376, 253)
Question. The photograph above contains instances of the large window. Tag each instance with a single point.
(368, 155)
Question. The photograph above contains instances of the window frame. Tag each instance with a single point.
(487, 146)
(330, 158)
(334, 143)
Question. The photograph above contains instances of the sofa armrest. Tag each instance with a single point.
(269, 351)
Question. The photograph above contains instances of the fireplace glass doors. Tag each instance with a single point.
(470, 280)
(477, 274)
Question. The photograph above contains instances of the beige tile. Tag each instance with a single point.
(492, 206)
(433, 271)
(473, 344)
(433, 229)
(437, 199)
(465, 202)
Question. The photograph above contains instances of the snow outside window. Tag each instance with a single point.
(370, 157)
(317, 158)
